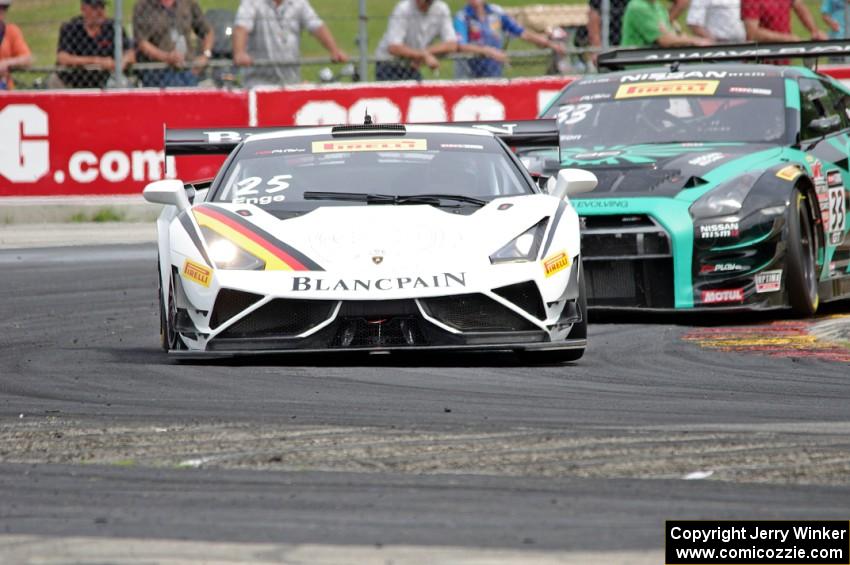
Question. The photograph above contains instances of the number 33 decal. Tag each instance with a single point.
(837, 212)
(573, 114)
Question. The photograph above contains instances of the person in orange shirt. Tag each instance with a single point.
(14, 52)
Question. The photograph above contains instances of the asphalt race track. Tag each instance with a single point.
(102, 435)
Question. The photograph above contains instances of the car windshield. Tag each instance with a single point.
(664, 108)
(302, 173)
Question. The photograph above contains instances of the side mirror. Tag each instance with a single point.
(169, 192)
(825, 125)
(572, 181)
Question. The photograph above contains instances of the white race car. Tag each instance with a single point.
(369, 238)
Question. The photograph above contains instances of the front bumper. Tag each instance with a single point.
(516, 316)
(645, 254)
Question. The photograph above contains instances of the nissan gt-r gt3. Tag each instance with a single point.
(368, 238)
(720, 185)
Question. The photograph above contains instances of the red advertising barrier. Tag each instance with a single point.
(73, 143)
(103, 143)
(444, 101)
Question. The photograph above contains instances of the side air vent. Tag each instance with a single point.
(475, 313)
(230, 302)
(525, 295)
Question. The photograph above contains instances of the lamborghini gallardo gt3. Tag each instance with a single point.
(369, 238)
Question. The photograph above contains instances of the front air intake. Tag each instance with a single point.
(475, 313)
(282, 318)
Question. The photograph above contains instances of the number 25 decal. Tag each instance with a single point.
(248, 186)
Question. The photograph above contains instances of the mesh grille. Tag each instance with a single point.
(635, 235)
(475, 313)
(281, 317)
(630, 283)
(525, 295)
(230, 302)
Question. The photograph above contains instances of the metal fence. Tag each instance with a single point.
(141, 43)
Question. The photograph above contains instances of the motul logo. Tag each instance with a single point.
(720, 296)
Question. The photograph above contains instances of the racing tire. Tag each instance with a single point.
(169, 339)
(801, 257)
(163, 322)
(578, 331)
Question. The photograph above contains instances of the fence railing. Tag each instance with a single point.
(128, 53)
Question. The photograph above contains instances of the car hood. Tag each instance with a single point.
(654, 169)
(354, 238)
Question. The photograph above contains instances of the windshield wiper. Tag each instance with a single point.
(373, 198)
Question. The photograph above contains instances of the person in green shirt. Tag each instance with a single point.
(646, 24)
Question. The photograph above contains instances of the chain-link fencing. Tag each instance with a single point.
(235, 43)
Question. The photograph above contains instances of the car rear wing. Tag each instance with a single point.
(622, 58)
(221, 141)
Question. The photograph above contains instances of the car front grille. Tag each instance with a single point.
(615, 237)
(628, 261)
(475, 313)
(630, 284)
(282, 318)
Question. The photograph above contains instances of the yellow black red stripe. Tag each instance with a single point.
(277, 255)
(189, 226)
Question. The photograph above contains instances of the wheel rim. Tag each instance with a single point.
(809, 248)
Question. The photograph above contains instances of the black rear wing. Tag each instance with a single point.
(221, 141)
(622, 58)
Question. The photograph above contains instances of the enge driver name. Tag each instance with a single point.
(755, 532)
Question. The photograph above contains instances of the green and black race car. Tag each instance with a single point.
(720, 185)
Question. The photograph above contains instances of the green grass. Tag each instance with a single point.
(40, 21)
(100, 216)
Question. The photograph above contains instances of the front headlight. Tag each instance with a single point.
(727, 198)
(228, 256)
(523, 247)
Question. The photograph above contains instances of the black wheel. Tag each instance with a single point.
(169, 339)
(578, 331)
(163, 321)
(801, 257)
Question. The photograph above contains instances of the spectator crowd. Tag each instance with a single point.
(173, 40)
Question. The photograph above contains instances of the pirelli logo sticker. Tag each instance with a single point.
(360, 145)
(788, 173)
(668, 88)
(196, 272)
(556, 263)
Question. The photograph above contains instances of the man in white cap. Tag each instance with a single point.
(14, 52)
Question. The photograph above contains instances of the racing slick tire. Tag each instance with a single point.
(578, 331)
(801, 257)
(169, 340)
